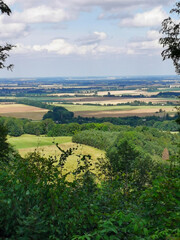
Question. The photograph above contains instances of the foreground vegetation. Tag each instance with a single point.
(134, 198)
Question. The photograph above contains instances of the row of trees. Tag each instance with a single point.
(17, 127)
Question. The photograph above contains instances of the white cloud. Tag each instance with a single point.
(22, 49)
(11, 30)
(145, 45)
(153, 35)
(64, 48)
(96, 37)
(146, 19)
(56, 11)
(59, 46)
(84, 4)
(101, 35)
(41, 14)
(18, 23)
(150, 45)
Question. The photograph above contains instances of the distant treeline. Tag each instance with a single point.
(167, 94)
(58, 121)
(159, 95)
(29, 102)
(24, 92)
(17, 127)
(7, 100)
(132, 121)
(134, 103)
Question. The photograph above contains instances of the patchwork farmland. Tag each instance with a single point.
(118, 111)
(22, 111)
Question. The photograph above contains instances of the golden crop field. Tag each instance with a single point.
(115, 101)
(129, 92)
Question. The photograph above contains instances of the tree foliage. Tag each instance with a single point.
(37, 201)
(171, 40)
(6, 48)
(4, 8)
(59, 115)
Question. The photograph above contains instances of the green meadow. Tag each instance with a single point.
(46, 146)
(32, 141)
(79, 108)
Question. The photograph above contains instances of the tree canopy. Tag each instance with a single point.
(4, 9)
(171, 41)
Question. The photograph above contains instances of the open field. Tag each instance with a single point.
(71, 94)
(116, 93)
(22, 111)
(31, 141)
(82, 108)
(117, 111)
(137, 112)
(115, 100)
(28, 143)
(7, 97)
(129, 92)
(71, 163)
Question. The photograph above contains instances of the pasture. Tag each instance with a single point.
(31, 141)
(22, 111)
(117, 111)
(46, 147)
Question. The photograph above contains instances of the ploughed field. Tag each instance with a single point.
(22, 111)
(117, 111)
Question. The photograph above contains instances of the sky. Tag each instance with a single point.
(85, 37)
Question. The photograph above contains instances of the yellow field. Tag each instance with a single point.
(129, 92)
(126, 100)
(71, 163)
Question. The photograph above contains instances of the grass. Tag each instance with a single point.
(31, 141)
(46, 147)
(71, 163)
(82, 108)
(79, 108)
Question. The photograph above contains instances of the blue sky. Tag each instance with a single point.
(85, 37)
